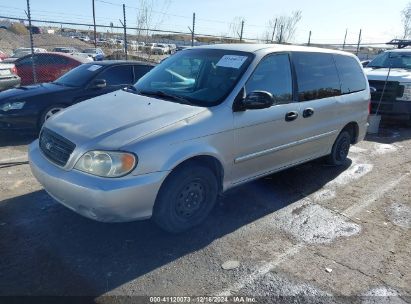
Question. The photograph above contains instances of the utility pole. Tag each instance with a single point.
(281, 34)
(309, 39)
(358, 44)
(33, 64)
(274, 29)
(242, 30)
(345, 38)
(125, 30)
(94, 23)
(193, 29)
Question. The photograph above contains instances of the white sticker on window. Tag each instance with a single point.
(94, 67)
(231, 61)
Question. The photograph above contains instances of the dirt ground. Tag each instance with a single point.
(313, 233)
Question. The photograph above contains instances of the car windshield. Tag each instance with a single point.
(90, 51)
(79, 76)
(401, 60)
(203, 77)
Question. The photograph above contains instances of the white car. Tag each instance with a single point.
(160, 49)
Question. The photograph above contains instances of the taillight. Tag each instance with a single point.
(13, 70)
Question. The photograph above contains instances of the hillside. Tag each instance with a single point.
(10, 41)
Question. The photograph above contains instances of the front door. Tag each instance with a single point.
(265, 138)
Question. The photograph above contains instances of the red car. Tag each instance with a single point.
(49, 66)
(2, 56)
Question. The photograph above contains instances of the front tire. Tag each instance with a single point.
(340, 149)
(50, 111)
(186, 198)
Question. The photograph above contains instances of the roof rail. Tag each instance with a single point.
(400, 43)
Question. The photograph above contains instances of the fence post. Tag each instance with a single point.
(275, 27)
(309, 39)
(33, 64)
(125, 31)
(345, 38)
(359, 41)
(94, 23)
(192, 32)
(242, 30)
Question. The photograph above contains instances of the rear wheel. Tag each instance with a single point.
(50, 111)
(340, 149)
(186, 198)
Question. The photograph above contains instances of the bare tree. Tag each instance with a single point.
(149, 19)
(235, 26)
(406, 21)
(282, 28)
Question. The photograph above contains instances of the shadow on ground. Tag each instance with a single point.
(47, 249)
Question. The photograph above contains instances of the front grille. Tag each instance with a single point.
(55, 147)
(393, 90)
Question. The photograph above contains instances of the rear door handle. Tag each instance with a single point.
(308, 112)
(290, 116)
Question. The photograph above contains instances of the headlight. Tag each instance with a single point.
(12, 106)
(407, 92)
(106, 163)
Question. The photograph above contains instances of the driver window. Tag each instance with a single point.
(273, 74)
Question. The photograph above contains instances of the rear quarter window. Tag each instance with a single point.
(351, 74)
(317, 76)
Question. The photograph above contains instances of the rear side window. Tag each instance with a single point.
(140, 71)
(317, 76)
(118, 75)
(351, 75)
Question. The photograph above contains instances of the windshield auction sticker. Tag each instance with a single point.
(94, 67)
(231, 61)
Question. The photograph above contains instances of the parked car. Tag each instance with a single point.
(85, 38)
(8, 76)
(203, 121)
(21, 52)
(48, 66)
(396, 100)
(160, 49)
(64, 49)
(96, 54)
(35, 29)
(172, 48)
(27, 108)
(3, 55)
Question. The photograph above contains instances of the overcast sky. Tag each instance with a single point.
(380, 20)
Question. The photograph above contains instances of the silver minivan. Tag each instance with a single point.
(203, 121)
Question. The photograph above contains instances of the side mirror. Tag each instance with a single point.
(99, 84)
(254, 101)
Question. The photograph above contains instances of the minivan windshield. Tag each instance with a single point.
(203, 77)
(399, 60)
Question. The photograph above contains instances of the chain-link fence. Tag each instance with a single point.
(43, 50)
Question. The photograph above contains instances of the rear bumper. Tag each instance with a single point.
(8, 83)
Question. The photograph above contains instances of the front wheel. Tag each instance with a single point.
(186, 198)
(50, 111)
(340, 149)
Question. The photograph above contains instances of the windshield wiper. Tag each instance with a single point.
(160, 93)
(130, 89)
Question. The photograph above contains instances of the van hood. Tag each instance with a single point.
(116, 119)
(400, 75)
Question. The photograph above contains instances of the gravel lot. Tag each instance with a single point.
(313, 231)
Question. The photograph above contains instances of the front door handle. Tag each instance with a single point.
(290, 116)
(308, 112)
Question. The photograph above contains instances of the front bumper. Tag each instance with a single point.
(392, 108)
(18, 120)
(102, 199)
(8, 83)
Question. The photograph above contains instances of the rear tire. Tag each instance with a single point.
(340, 149)
(186, 198)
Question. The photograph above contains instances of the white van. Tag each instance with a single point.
(203, 121)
